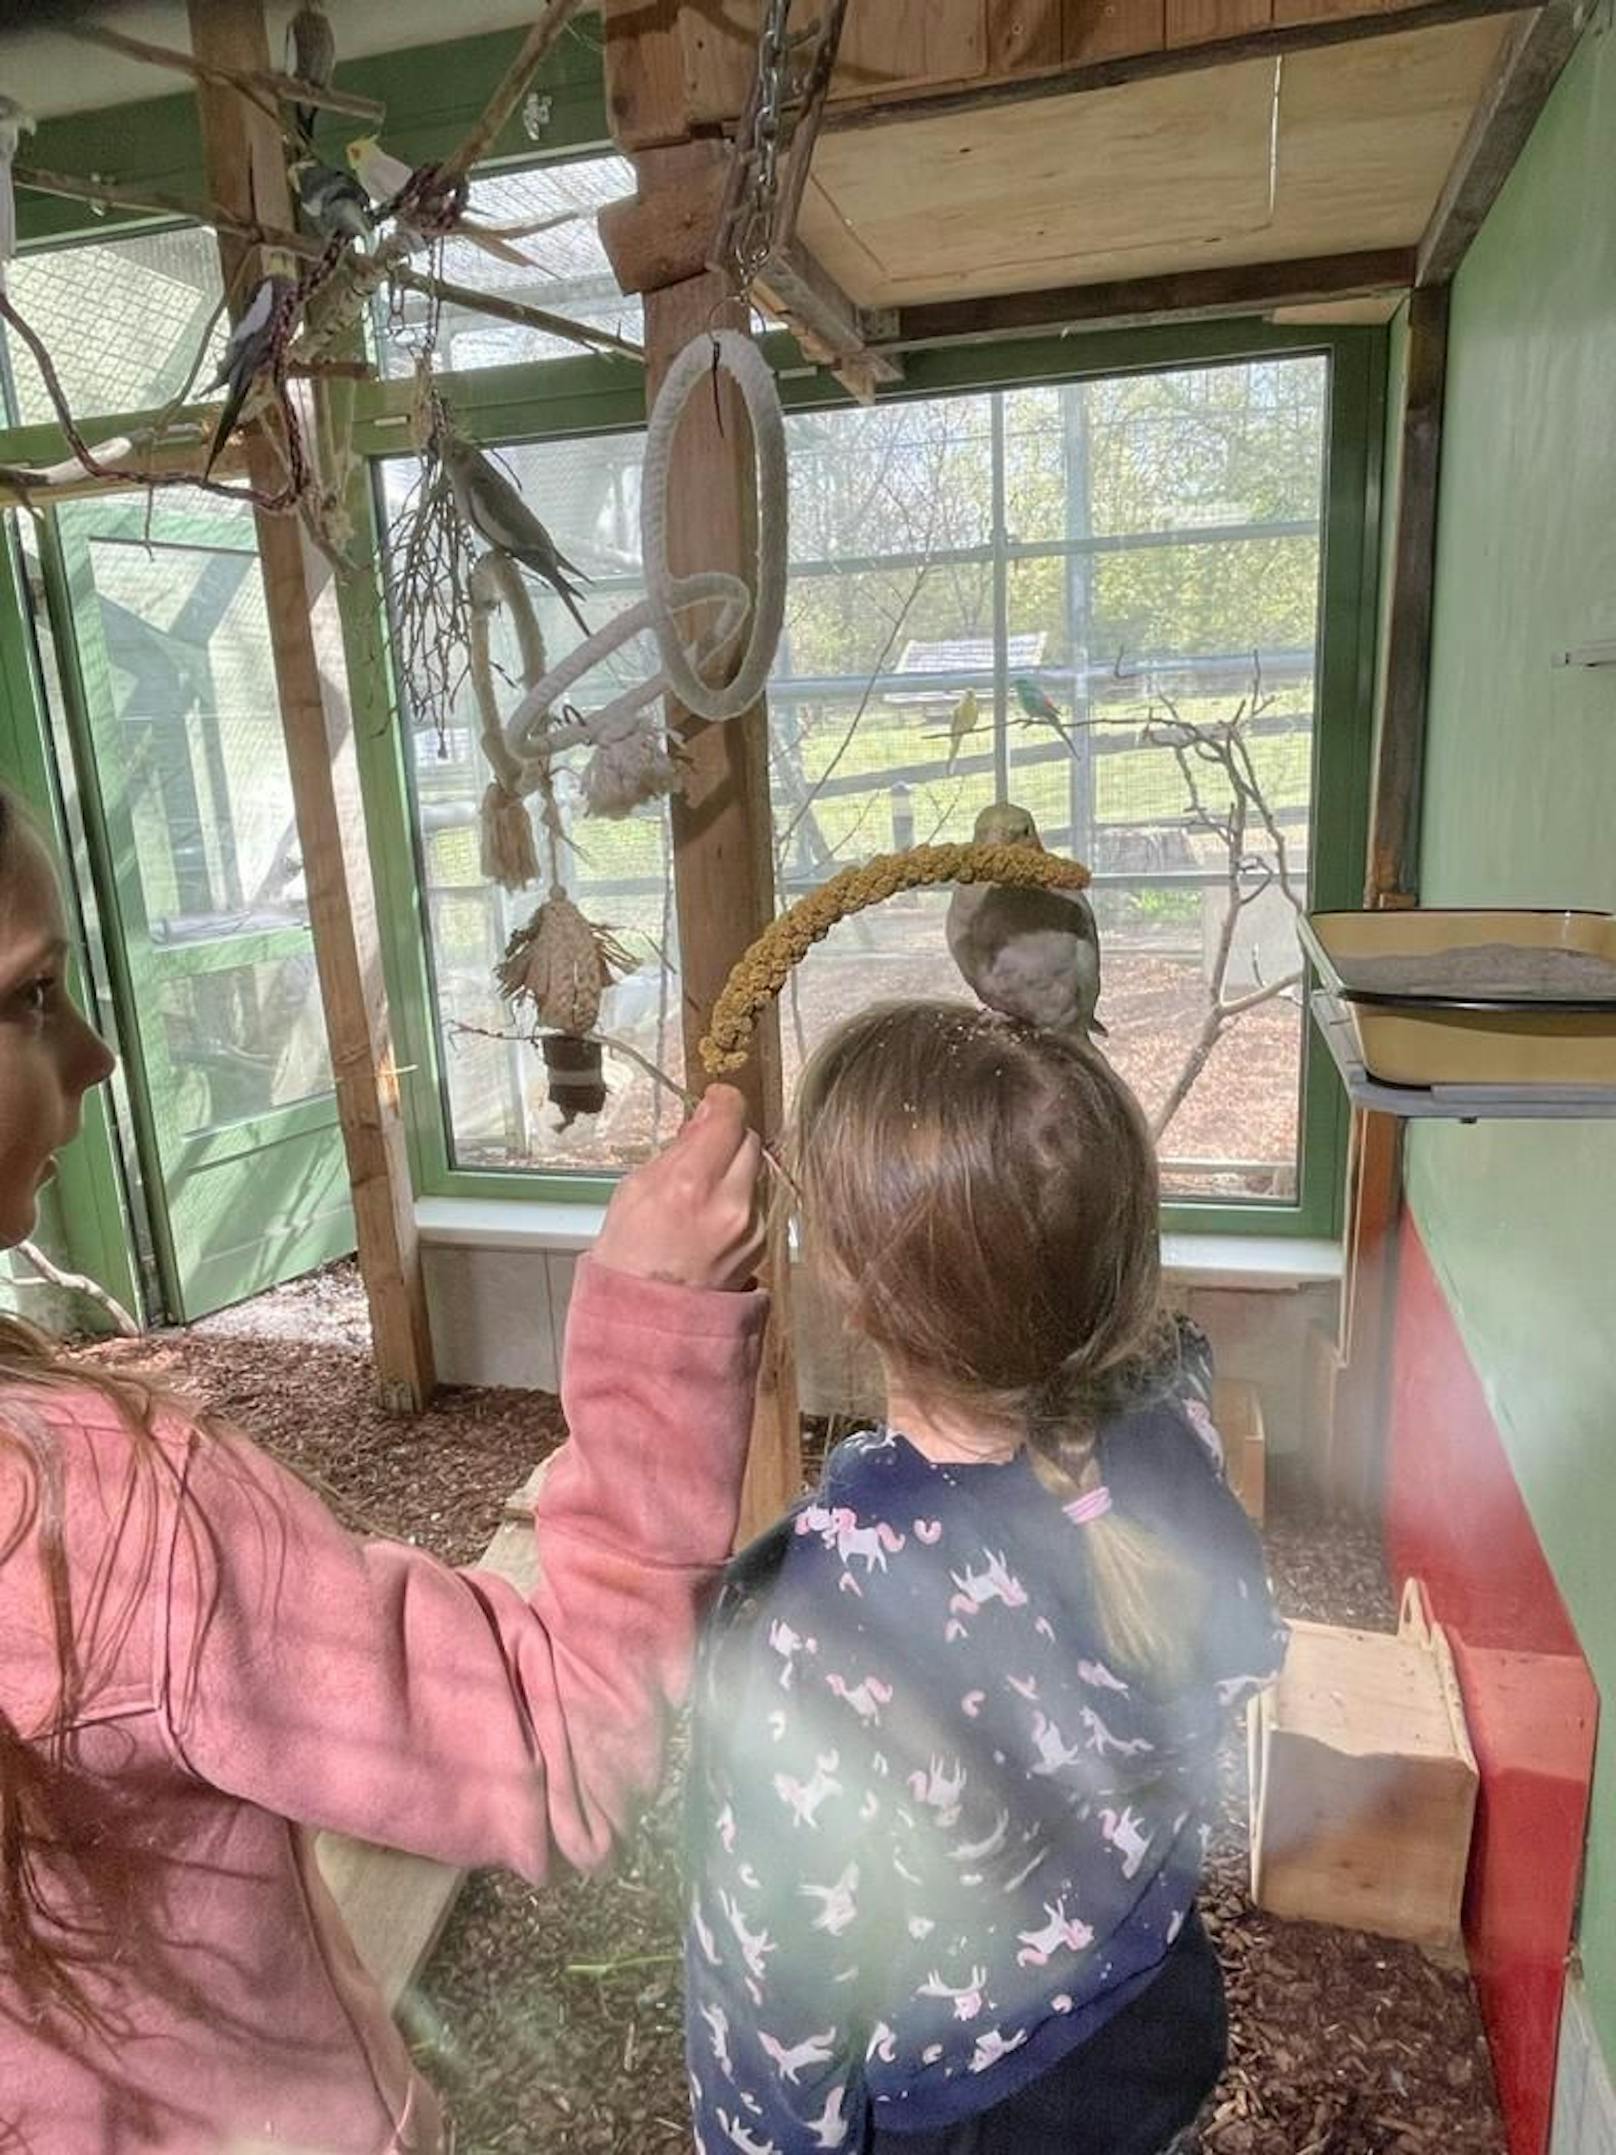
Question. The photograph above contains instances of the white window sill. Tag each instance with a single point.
(1261, 1263)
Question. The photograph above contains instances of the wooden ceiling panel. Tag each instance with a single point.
(1324, 152)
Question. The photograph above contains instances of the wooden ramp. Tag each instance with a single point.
(395, 1905)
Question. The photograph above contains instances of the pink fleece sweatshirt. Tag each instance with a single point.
(255, 1672)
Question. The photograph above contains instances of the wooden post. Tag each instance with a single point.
(245, 164)
(1369, 1292)
(723, 863)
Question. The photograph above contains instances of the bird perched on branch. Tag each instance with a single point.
(1032, 954)
(1036, 700)
(14, 124)
(255, 341)
(334, 202)
(495, 510)
(385, 177)
(314, 58)
(966, 714)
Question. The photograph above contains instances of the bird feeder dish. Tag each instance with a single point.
(1474, 997)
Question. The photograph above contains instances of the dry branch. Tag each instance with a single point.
(508, 91)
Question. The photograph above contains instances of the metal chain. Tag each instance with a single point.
(755, 226)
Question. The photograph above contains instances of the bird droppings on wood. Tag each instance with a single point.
(551, 2018)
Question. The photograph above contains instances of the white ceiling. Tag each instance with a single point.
(48, 71)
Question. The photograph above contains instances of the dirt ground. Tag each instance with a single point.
(550, 2019)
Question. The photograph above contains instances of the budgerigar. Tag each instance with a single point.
(495, 510)
(335, 202)
(1032, 954)
(966, 714)
(264, 326)
(14, 124)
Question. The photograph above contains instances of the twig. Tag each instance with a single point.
(78, 1283)
(518, 311)
(508, 91)
(250, 85)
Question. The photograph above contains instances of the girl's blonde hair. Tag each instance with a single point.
(980, 1199)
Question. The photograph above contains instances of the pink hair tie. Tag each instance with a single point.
(1084, 1510)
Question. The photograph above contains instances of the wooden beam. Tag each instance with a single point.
(723, 856)
(664, 233)
(797, 289)
(1534, 53)
(1275, 40)
(1393, 875)
(246, 174)
(1132, 302)
(1369, 1290)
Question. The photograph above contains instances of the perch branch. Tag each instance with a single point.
(105, 194)
(274, 504)
(77, 1283)
(509, 89)
(250, 85)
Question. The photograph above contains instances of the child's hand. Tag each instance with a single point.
(691, 1215)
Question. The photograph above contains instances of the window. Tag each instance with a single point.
(1136, 557)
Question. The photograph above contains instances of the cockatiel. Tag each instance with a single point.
(14, 124)
(1032, 954)
(314, 57)
(495, 510)
(384, 177)
(254, 341)
(966, 713)
(335, 203)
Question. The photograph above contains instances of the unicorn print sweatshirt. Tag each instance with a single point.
(937, 1837)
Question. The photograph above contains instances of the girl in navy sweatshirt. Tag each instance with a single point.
(957, 1713)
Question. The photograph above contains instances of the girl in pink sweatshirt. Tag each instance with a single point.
(198, 1665)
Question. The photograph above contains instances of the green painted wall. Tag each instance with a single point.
(1520, 1219)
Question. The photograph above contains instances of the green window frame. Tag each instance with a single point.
(567, 399)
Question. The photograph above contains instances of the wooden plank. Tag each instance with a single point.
(1200, 22)
(1186, 296)
(394, 1904)
(646, 98)
(1200, 169)
(246, 171)
(1400, 746)
(665, 234)
(723, 864)
(1101, 29)
(1529, 65)
(1022, 34)
(1143, 61)
(792, 286)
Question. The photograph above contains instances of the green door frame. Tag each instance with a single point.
(89, 1214)
(190, 1283)
(568, 398)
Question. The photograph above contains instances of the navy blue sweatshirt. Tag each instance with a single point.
(936, 1839)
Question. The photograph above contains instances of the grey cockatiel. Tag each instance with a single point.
(255, 343)
(495, 510)
(314, 57)
(334, 202)
(1032, 954)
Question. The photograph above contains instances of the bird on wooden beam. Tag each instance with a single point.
(495, 510)
(314, 58)
(334, 202)
(1030, 954)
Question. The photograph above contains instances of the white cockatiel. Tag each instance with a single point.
(384, 177)
(14, 124)
(1031, 954)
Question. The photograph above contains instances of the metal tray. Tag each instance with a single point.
(1468, 1038)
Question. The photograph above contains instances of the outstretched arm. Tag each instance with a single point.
(374, 1690)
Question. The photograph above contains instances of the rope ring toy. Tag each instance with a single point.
(745, 365)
